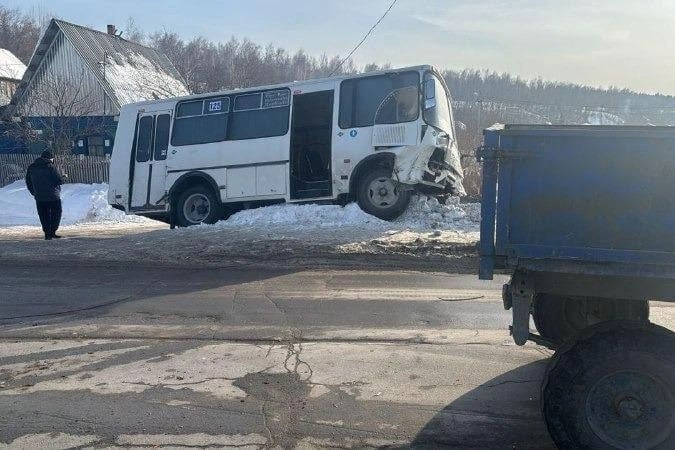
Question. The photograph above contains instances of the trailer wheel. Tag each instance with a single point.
(558, 318)
(198, 204)
(380, 195)
(612, 387)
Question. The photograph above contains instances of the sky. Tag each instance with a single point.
(624, 43)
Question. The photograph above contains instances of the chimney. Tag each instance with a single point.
(112, 30)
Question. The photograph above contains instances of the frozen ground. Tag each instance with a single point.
(429, 233)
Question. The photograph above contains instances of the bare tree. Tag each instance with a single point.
(133, 33)
(18, 33)
(208, 66)
(60, 109)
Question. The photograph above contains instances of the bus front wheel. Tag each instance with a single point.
(197, 204)
(380, 195)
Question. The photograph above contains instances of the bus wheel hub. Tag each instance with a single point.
(383, 192)
(196, 208)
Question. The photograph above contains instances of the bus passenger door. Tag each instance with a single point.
(311, 146)
(148, 179)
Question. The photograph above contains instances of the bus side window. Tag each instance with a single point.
(260, 115)
(201, 121)
(162, 136)
(144, 146)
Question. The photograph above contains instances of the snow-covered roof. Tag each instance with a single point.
(10, 66)
(127, 71)
(134, 78)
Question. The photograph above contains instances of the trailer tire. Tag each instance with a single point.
(379, 195)
(612, 387)
(198, 204)
(558, 318)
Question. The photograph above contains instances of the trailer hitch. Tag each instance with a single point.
(518, 296)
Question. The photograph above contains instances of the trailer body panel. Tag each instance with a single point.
(579, 199)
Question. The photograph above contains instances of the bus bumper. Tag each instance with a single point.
(431, 169)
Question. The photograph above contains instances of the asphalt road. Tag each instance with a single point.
(254, 304)
(129, 356)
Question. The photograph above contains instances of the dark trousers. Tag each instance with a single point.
(50, 216)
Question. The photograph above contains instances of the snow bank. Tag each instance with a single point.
(603, 118)
(87, 203)
(82, 203)
(423, 214)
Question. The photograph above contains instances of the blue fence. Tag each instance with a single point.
(93, 136)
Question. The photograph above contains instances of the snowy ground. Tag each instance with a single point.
(82, 203)
(430, 232)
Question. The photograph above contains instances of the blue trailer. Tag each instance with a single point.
(583, 218)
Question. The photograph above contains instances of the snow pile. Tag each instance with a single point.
(138, 79)
(603, 118)
(87, 203)
(302, 216)
(428, 213)
(82, 203)
(423, 214)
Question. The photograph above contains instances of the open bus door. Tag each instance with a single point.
(311, 145)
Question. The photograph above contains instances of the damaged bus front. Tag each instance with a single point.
(426, 153)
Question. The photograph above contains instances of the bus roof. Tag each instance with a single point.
(283, 85)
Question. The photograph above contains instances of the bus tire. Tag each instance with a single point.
(379, 195)
(198, 204)
(612, 387)
(558, 318)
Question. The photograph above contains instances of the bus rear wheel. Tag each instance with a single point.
(380, 195)
(197, 204)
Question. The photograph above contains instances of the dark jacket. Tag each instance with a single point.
(44, 181)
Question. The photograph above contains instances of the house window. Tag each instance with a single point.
(96, 147)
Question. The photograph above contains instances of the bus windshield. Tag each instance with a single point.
(437, 112)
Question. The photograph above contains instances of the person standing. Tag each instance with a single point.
(44, 181)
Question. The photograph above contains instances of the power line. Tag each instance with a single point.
(364, 38)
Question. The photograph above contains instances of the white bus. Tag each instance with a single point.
(373, 138)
